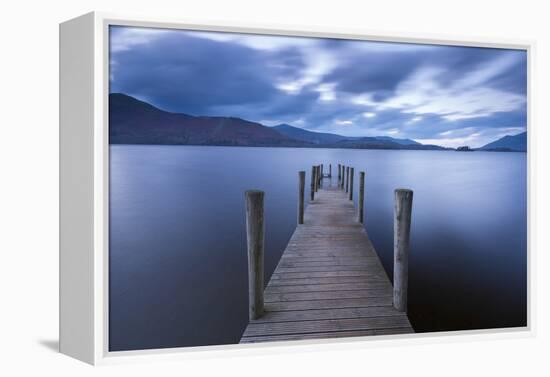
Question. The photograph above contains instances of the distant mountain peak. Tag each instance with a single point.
(306, 135)
(121, 99)
(285, 125)
(399, 141)
(514, 143)
(132, 121)
(324, 138)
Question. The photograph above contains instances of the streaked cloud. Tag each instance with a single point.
(343, 122)
(126, 38)
(446, 95)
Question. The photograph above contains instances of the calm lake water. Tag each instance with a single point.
(178, 265)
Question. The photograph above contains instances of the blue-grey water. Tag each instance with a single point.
(178, 265)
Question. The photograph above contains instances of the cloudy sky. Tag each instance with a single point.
(443, 95)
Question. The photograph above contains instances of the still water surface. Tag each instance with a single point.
(178, 266)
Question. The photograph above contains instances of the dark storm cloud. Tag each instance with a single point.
(381, 72)
(186, 74)
(463, 60)
(378, 72)
(424, 92)
(515, 78)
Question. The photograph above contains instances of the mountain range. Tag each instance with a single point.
(327, 138)
(132, 121)
(136, 122)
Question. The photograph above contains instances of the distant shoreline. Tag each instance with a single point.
(314, 147)
(132, 121)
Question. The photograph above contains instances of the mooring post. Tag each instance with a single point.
(312, 194)
(339, 167)
(330, 170)
(343, 176)
(320, 176)
(255, 243)
(401, 236)
(351, 183)
(361, 203)
(301, 192)
(317, 180)
(347, 178)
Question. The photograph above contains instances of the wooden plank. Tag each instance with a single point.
(325, 335)
(329, 253)
(327, 280)
(312, 262)
(327, 325)
(336, 268)
(321, 274)
(330, 304)
(338, 313)
(351, 242)
(326, 234)
(328, 295)
(380, 284)
(334, 259)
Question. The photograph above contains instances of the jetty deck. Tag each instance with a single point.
(329, 282)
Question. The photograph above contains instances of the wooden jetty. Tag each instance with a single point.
(329, 282)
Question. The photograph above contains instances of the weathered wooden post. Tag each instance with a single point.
(339, 175)
(347, 178)
(301, 189)
(361, 203)
(351, 174)
(321, 171)
(343, 176)
(312, 195)
(316, 178)
(401, 235)
(255, 242)
(330, 170)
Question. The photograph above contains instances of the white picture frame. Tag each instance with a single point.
(84, 185)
